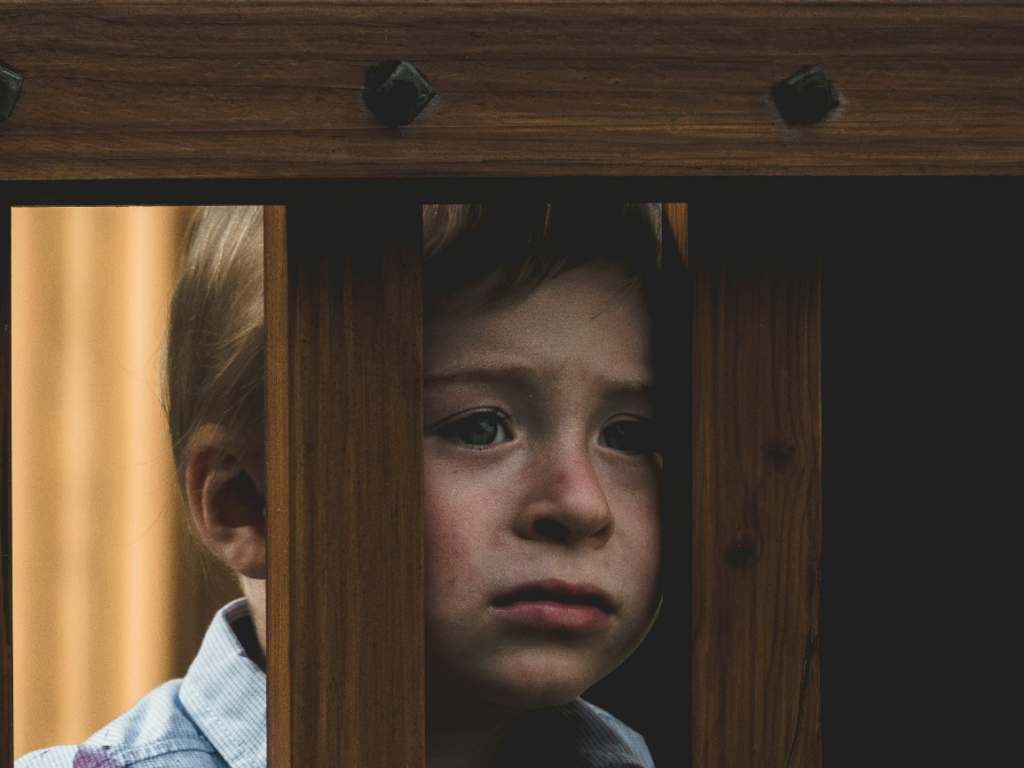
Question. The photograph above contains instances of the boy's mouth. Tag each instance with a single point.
(554, 605)
(554, 591)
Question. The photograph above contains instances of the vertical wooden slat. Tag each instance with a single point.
(677, 230)
(6, 663)
(344, 437)
(756, 484)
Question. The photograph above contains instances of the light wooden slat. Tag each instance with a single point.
(677, 228)
(6, 662)
(344, 437)
(264, 90)
(756, 484)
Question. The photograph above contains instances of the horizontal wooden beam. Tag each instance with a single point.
(197, 90)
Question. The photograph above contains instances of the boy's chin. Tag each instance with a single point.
(518, 687)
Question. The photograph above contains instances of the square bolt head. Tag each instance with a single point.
(10, 87)
(396, 92)
(807, 96)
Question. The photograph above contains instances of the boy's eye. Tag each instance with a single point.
(629, 436)
(480, 428)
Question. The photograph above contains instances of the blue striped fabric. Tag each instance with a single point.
(216, 717)
(602, 740)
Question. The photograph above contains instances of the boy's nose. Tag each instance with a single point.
(565, 502)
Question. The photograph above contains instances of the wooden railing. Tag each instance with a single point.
(260, 102)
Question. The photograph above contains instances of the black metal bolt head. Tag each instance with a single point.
(807, 96)
(396, 92)
(10, 88)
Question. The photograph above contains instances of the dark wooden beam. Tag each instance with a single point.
(191, 90)
(756, 483)
(344, 437)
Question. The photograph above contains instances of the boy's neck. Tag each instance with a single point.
(255, 591)
(465, 747)
(463, 732)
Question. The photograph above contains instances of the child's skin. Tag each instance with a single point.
(540, 483)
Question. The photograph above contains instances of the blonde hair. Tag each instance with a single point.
(213, 354)
(214, 351)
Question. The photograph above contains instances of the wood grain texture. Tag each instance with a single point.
(677, 228)
(252, 3)
(344, 437)
(207, 90)
(756, 484)
(6, 647)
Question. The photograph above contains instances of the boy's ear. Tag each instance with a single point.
(225, 495)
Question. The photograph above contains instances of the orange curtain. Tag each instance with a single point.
(106, 601)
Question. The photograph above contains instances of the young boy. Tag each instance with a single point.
(541, 476)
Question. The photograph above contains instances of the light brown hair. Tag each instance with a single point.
(214, 351)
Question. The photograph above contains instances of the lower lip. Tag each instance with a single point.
(551, 614)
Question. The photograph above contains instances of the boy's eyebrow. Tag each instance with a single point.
(478, 373)
(525, 374)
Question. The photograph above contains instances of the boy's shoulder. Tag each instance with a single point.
(213, 718)
(156, 732)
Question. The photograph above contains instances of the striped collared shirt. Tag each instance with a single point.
(216, 717)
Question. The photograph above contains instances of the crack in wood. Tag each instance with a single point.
(810, 651)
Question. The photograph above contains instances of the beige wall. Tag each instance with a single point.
(107, 600)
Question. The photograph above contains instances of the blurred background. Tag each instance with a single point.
(111, 592)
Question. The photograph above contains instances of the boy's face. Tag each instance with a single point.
(541, 506)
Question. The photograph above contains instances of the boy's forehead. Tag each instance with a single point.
(586, 312)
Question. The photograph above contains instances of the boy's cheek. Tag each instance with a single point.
(451, 545)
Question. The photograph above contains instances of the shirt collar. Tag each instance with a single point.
(597, 743)
(225, 693)
(572, 734)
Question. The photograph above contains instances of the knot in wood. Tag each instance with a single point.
(779, 453)
(742, 550)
